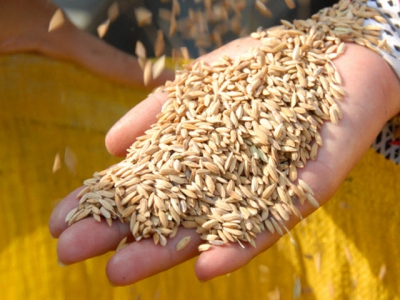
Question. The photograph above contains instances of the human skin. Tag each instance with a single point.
(24, 28)
(372, 98)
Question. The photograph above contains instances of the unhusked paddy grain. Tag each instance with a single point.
(262, 8)
(57, 163)
(143, 16)
(148, 72)
(157, 69)
(317, 260)
(290, 4)
(57, 20)
(183, 243)
(122, 244)
(159, 46)
(113, 12)
(103, 28)
(224, 154)
(204, 247)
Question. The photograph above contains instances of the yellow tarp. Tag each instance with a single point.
(346, 250)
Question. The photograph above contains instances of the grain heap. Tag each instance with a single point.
(224, 153)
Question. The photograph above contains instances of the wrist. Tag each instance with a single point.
(369, 82)
(372, 98)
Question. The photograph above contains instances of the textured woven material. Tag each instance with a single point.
(391, 31)
(387, 142)
(48, 105)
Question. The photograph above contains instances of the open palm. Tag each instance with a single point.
(371, 100)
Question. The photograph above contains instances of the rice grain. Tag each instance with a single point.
(224, 154)
(183, 243)
(57, 20)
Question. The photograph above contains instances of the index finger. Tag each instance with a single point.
(134, 123)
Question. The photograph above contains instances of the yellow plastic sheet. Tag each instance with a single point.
(346, 250)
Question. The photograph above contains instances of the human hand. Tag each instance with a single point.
(24, 28)
(371, 99)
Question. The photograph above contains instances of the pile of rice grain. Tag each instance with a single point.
(224, 153)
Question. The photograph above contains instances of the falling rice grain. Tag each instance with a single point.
(147, 72)
(103, 28)
(185, 53)
(57, 20)
(159, 46)
(113, 12)
(317, 260)
(291, 4)
(158, 67)
(263, 9)
(57, 163)
(176, 8)
(140, 50)
(143, 16)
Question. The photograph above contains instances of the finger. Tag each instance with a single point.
(220, 260)
(89, 238)
(143, 259)
(86, 238)
(233, 49)
(57, 222)
(122, 135)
